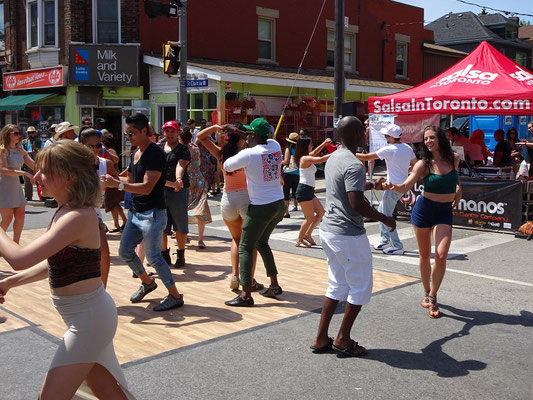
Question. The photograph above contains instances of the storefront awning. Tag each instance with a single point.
(13, 103)
(220, 71)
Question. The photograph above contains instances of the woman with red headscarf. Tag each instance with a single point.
(480, 152)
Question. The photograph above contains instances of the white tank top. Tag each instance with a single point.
(307, 175)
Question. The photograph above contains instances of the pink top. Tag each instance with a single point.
(234, 181)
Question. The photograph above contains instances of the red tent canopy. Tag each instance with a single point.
(485, 82)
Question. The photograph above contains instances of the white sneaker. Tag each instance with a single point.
(382, 246)
(293, 209)
(393, 251)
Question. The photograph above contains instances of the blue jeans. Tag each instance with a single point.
(147, 226)
(387, 206)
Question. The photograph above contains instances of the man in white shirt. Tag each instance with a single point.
(262, 164)
(398, 157)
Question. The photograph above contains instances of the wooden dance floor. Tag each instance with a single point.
(204, 283)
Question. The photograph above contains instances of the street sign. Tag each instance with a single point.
(195, 83)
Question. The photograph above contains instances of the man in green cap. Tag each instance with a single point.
(262, 164)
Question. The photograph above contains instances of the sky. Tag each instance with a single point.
(434, 9)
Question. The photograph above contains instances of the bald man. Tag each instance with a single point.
(344, 239)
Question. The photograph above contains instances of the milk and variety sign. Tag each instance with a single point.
(104, 65)
(34, 79)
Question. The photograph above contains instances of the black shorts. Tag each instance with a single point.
(305, 193)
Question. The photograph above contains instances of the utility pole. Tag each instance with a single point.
(339, 59)
(182, 114)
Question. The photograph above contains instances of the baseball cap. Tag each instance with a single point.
(171, 124)
(259, 126)
(392, 130)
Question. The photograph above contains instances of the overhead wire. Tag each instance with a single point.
(494, 9)
(299, 69)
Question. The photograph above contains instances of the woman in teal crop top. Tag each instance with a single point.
(441, 184)
(432, 213)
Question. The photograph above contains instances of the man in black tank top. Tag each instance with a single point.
(147, 217)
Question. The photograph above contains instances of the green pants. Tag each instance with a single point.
(258, 224)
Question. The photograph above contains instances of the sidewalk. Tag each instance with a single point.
(145, 337)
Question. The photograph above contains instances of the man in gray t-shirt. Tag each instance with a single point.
(345, 173)
(344, 239)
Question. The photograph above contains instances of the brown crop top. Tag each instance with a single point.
(73, 264)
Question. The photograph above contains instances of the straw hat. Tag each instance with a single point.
(293, 138)
(31, 129)
(64, 127)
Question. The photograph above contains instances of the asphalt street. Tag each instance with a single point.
(480, 348)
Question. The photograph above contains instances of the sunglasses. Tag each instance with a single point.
(129, 134)
(95, 146)
(17, 133)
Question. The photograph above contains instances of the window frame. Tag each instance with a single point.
(272, 22)
(40, 24)
(351, 67)
(95, 23)
(404, 41)
(44, 23)
(349, 30)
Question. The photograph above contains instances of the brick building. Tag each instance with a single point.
(253, 49)
(38, 37)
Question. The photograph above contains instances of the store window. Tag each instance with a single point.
(2, 31)
(202, 105)
(349, 50)
(41, 18)
(42, 117)
(106, 21)
(402, 52)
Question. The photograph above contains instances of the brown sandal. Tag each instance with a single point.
(310, 241)
(302, 244)
(426, 303)
(434, 311)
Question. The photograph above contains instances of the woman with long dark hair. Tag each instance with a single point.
(306, 158)
(113, 196)
(432, 213)
(70, 258)
(199, 212)
(291, 173)
(235, 200)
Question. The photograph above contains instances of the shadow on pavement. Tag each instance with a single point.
(174, 319)
(433, 358)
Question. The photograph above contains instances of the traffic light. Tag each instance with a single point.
(171, 63)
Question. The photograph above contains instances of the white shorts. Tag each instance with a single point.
(234, 204)
(350, 267)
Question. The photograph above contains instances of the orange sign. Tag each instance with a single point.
(34, 79)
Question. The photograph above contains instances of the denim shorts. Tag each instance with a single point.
(428, 213)
(305, 193)
(177, 206)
